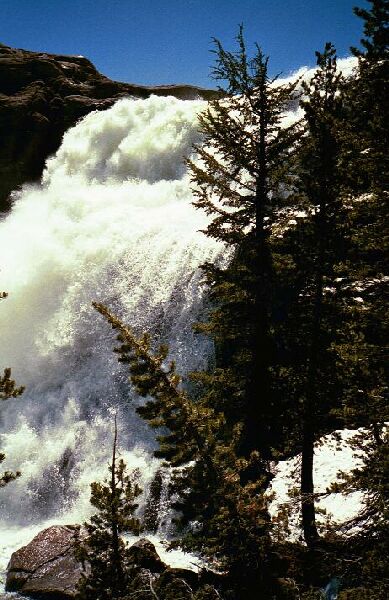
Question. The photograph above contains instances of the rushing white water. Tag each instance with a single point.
(112, 221)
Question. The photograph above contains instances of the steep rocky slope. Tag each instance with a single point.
(41, 96)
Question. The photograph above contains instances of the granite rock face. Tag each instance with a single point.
(42, 95)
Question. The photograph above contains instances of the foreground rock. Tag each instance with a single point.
(42, 95)
(47, 569)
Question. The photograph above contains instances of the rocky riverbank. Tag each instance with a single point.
(47, 569)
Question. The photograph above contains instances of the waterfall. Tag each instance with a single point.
(111, 221)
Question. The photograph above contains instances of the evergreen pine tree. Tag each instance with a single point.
(102, 551)
(220, 517)
(366, 405)
(339, 254)
(328, 335)
(369, 101)
(376, 30)
(316, 247)
(321, 184)
(240, 177)
(368, 98)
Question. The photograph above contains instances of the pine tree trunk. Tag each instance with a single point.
(259, 389)
(325, 198)
(377, 434)
(308, 511)
(116, 556)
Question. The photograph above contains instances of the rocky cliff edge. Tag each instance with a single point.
(42, 95)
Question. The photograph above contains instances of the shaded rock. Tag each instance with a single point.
(42, 95)
(142, 586)
(207, 592)
(46, 567)
(144, 554)
(54, 580)
(170, 587)
(190, 577)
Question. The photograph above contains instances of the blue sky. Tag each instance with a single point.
(169, 41)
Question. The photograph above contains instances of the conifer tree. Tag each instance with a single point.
(103, 552)
(370, 105)
(240, 177)
(368, 98)
(366, 405)
(322, 187)
(221, 518)
(340, 253)
(316, 248)
(376, 30)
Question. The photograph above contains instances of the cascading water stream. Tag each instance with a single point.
(112, 221)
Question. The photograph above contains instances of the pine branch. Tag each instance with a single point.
(8, 387)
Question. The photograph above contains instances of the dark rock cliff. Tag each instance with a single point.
(42, 95)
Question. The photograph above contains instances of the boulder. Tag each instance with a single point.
(46, 567)
(144, 554)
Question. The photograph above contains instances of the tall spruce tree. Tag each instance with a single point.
(103, 552)
(240, 178)
(366, 97)
(366, 405)
(369, 105)
(340, 252)
(376, 29)
(320, 181)
(316, 247)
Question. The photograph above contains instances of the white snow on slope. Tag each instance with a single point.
(332, 454)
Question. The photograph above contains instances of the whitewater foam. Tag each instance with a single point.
(111, 221)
